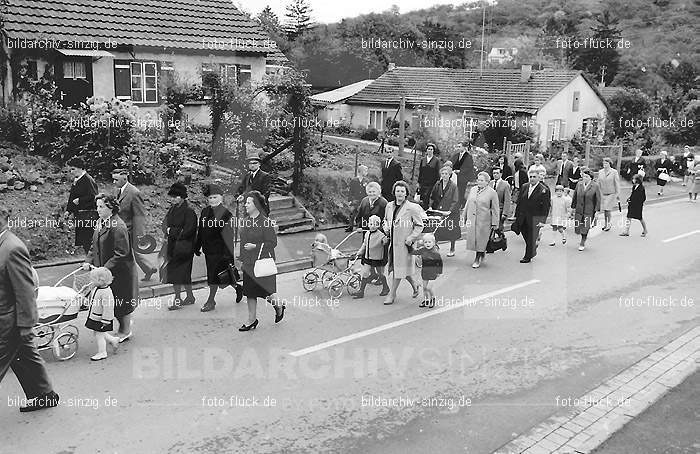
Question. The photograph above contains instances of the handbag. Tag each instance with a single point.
(228, 276)
(264, 267)
(497, 240)
(663, 176)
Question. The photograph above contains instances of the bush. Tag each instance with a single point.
(325, 194)
(369, 134)
(12, 125)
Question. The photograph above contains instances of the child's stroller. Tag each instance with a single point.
(328, 264)
(435, 219)
(58, 307)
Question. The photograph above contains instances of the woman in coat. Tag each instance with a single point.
(482, 216)
(663, 171)
(609, 182)
(111, 249)
(215, 239)
(586, 202)
(403, 224)
(695, 182)
(258, 241)
(444, 197)
(506, 170)
(635, 205)
(180, 229)
(428, 174)
(575, 175)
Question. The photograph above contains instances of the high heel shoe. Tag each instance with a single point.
(249, 327)
(279, 315)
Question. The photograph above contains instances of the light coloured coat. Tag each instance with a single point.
(408, 225)
(482, 214)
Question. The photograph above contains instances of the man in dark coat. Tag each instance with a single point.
(81, 203)
(255, 180)
(564, 169)
(534, 201)
(357, 193)
(391, 173)
(133, 213)
(463, 166)
(18, 314)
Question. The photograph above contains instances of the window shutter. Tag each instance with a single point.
(562, 130)
(122, 79)
(577, 100)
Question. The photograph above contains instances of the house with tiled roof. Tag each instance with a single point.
(331, 105)
(127, 48)
(554, 104)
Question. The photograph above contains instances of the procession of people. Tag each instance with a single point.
(394, 247)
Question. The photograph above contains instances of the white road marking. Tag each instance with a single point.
(397, 323)
(668, 240)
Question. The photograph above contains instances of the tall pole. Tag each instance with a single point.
(402, 129)
(481, 56)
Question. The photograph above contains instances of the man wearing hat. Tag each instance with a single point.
(81, 203)
(255, 179)
(133, 213)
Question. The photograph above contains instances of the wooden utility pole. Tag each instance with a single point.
(437, 120)
(588, 153)
(402, 129)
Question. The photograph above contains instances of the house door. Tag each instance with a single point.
(74, 77)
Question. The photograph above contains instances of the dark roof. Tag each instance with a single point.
(495, 90)
(182, 24)
(609, 92)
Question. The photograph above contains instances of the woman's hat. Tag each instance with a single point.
(178, 189)
(253, 154)
(212, 189)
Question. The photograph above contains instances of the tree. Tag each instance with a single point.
(269, 21)
(627, 107)
(298, 19)
(597, 54)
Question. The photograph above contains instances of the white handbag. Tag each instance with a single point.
(264, 267)
(663, 176)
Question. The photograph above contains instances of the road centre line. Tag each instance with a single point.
(668, 240)
(414, 318)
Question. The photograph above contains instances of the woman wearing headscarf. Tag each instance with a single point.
(111, 249)
(444, 198)
(482, 216)
(215, 239)
(586, 202)
(403, 224)
(258, 241)
(180, 230)
(428, 174)
(609, 182)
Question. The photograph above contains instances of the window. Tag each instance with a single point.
(144, 82)
(245, 74)
(590, 127)
(377, 119)
(556, 130)
(32, 70)
(74, 70)
(122, 79)
(209, 81)
(577, 100)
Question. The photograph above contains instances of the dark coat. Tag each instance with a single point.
(180, 229)
(662, 166)
(586, 203)
(465, 167)
(431, 262)
(446, 200)
(564, 171)
(531, 210)
(261, 232)
(85, 212)
(357, 189)
(428, 174)
(366, 211)
(111, 249)
(390, 175)
(635, 203)
(215, 239)
(261, 183)
(574, 178)
(17, 297)
(635, 166)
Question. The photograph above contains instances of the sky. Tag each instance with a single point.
(327, 11)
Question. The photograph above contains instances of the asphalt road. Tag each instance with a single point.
(507, 344)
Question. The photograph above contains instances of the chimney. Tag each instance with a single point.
(525, 73)
(392, 66)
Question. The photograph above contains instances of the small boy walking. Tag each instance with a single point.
(431, 269)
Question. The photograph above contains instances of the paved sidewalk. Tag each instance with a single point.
(595, 416)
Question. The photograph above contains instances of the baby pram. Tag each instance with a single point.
(58, 308)
(435, 219)
(328, 263)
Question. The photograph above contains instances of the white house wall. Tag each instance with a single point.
(560, 107)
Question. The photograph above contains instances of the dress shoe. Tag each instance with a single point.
(125, 337)
(99, 357)
(177, 304)
(524, 260)
(249, 327)
(279, 313)
(208, 306)
(47, 400)
(188, 301)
